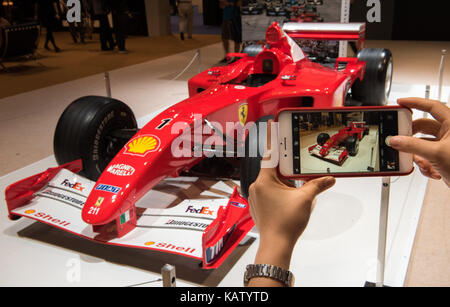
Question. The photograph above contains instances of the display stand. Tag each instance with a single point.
(345, 18)
(107, 85)
(382, 233)
(168, 276)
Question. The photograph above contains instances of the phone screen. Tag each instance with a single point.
(343, 142)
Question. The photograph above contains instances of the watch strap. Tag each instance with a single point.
(269, 271)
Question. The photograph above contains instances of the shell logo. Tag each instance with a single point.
(31, 211)
(142, 145)
(149, 243)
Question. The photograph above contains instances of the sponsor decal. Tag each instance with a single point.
(202, 210)
(142, 145)
(48, 217)
(76, 185)
(124, 217)
(170, 246)
(108, 188)
(238, 204)
(59, 196)
(121, 170)
(99, 201)
(186, 223)
(243, 112)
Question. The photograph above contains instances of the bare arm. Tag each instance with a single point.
(281, 213)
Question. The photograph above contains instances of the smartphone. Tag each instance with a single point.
(342, 142)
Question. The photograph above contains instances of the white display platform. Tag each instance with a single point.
(339, 247)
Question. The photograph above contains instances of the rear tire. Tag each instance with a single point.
(376, 86)
(84, 131)
(352, 145)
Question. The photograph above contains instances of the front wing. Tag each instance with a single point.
(207, 230)
(336, 155)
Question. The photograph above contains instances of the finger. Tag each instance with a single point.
(315, 187)
(268, 167)
(426, 168)
(426, 126)
(436, 108)
(413, 145)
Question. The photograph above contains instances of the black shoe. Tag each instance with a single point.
(182, 36)
(57, 49)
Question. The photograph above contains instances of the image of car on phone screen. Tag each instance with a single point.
(333, 142)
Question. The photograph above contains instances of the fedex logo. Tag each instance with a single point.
(202, 210)
(76, 185)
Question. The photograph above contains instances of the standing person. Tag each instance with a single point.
(120, 13)
(100, 10)
(76, 29)
(47, 12)
(231, 25)
(186, 15)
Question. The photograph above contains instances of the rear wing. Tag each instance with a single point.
(327, 31)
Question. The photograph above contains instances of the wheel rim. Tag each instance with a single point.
(388, 82)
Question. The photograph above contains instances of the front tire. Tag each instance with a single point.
(84, 131)
(250, 166)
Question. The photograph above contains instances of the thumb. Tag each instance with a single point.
(314, 187)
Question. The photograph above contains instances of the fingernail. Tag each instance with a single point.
(393, 141)
(330, 181)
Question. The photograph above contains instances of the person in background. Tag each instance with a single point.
(46, 11)
(77, 29)
(186, 15)
(100, 11)
(231, 25)
(120, 15)
(3, 21)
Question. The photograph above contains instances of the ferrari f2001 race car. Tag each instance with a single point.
(338, 147)
(118, 164)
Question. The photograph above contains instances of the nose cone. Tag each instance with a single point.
(103, 205)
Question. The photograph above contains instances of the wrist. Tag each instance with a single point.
(275, 251)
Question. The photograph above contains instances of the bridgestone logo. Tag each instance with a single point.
(62, 197)
(185, 223)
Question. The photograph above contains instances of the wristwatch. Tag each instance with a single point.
(270, 271)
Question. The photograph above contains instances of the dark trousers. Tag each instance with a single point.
(120, 28)
(106, 39)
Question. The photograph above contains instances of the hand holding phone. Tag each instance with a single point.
(281, 213)
(343, 142)
(432, 156)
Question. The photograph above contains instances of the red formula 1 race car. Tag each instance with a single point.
(338, 147)
(119, 164)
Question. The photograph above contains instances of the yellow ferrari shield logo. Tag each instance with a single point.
(99, 201)
(243, 112)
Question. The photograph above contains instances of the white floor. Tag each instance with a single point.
(339, 247)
